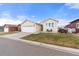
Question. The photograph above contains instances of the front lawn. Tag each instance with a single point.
(62, 39)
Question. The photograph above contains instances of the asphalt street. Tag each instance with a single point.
(9, 47)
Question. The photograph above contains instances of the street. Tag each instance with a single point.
(9, 47)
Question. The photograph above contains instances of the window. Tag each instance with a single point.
(49, 24)
(52, 24)
(77, 25)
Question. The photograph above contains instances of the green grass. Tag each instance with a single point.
(61, 39)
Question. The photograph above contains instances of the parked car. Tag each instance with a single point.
(62, 30)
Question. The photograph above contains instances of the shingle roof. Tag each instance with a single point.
(10, 25)
(74, 20)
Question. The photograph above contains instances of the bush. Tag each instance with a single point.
(62, 31)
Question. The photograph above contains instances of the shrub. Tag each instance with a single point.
(62, 31)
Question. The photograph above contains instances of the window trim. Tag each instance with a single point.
(77, 25)
(50, 24)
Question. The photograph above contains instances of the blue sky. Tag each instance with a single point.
(15, 13)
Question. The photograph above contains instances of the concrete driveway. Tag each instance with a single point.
(16, 35)
(10, 47)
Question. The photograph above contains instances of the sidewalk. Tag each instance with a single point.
(15, 35)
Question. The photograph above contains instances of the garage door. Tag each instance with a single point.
(28, 29)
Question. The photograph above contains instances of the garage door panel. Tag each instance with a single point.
(28, 29)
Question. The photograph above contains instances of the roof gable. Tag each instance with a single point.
(49, 19)
(27, 21)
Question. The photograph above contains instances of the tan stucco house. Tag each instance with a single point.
(47, 25)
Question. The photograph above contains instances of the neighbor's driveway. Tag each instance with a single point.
(10, 47)
(16, 35)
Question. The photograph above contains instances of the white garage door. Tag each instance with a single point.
(28, 29)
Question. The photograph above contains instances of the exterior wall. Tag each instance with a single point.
(71, 30)
(72, 27)
(19, 27)
(27, 23)
(31, 24)
(6, 29)
(1, 29)
(54, 28)
(12, 29)
(77, 30)
(38, 28)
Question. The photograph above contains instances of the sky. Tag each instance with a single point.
(16, 13)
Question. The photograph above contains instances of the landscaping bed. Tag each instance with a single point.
(62, 39)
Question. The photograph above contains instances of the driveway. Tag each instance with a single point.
(16, 35)
(10, 47)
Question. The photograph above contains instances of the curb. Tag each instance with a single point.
(59, 48)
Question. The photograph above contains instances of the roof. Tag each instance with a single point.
(10, 25)
(25, 21)
(67, 25)
(38, 24)
(74, 20)
(49, 19)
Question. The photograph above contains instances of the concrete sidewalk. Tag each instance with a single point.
(16, 35)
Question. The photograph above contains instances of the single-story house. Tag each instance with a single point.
(29, 26)
(10, 28)
(47, 25)
(73, 26)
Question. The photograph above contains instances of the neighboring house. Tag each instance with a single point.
(1, 28)
(10, 28)
(29, 26)
(73, 26)
(48, 25)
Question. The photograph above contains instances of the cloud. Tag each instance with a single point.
(6, 14)
(62, 22)
(72, 5)
(6, 18)
(33, 16)
(9, 21)
(21, 17)
(1, 4)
